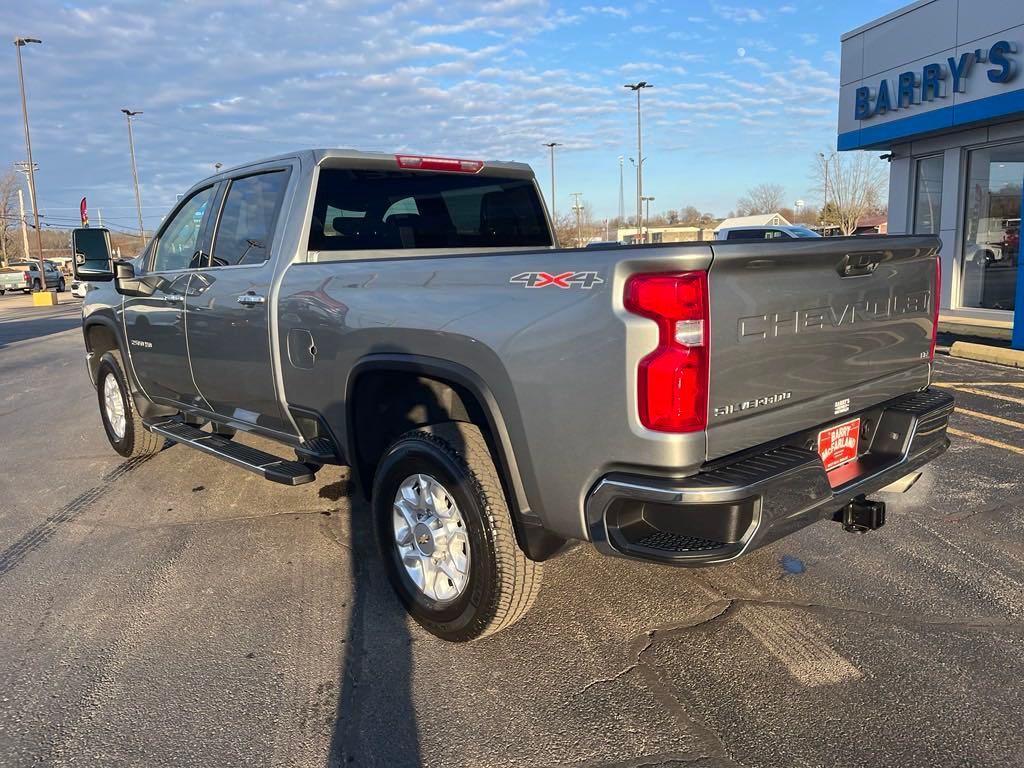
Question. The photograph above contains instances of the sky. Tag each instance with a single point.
(744, 92)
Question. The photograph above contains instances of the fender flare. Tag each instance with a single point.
(534, 539)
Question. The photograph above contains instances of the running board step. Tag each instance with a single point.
(318, 450)
(271, 467)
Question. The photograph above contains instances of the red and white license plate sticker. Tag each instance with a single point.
(837, 445)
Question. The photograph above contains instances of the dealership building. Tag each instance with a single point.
(937, 87)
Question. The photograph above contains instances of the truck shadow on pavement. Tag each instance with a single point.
(375, 722)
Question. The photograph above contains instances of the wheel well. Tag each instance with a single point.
(98, 340)
(385, 404)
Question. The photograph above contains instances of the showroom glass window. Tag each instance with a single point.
(928, 196)
(995, 177)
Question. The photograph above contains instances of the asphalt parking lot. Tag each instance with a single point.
(178, 611)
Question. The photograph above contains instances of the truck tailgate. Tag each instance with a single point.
(804, 331)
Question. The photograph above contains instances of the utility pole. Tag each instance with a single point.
(129, 114)
(578, 210)
(622, 197)
(19, 43)
(637, 87)
(647, 217)
(24, 224)
(22, 167)
(551, 146)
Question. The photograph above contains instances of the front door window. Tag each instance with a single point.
(992, 227)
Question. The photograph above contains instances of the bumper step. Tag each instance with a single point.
(747, 501)
(268, 466)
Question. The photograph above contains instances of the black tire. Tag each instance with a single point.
(36, 287)
(136, 441)
(503, 583)
(61, 285)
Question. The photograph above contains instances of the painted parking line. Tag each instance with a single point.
(984, 393)
(978, 384)
(990, 417)
(986, 441)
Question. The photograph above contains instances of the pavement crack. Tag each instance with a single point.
(644, 641)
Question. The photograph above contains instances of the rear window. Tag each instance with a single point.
(370, 210)
(747, 234)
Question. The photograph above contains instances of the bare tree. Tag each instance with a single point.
(764, 198)
(855, 183)
(690, 216)
(9, 219)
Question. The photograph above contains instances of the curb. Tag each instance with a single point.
(987, 354)
(974, 329)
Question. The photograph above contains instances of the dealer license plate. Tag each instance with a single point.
(838, 445)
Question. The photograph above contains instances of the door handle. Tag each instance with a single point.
(250, 299)
(859, 264)
(173, 298)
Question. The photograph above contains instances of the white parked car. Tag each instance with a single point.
(79, 288)
(783, 232)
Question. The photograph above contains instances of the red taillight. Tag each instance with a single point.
(672, 381)
(936, 300)
(26, 276)
(420, 163)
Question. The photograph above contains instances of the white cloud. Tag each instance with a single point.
(610, 10)
(738, 14)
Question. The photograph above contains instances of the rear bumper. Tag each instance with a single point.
(737, 505)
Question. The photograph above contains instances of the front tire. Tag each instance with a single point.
(61, 285)
(446, 536)
(121, 421)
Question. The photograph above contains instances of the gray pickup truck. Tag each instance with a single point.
(24, 276)
(498, 398)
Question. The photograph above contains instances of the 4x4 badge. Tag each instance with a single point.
(585, 280)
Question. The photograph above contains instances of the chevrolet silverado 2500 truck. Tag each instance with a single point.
(497, 397)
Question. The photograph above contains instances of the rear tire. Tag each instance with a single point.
(502, 582)
(121, 421)
(36, 287)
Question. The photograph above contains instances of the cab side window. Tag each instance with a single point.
(247, 219)
(178, 245)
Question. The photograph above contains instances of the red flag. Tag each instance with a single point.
(85, 213)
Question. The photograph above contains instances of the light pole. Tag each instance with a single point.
(622, 198)
(578, 210)
(19, 43)
(129, 114)
(551, 146)
(824, 205)
(647, 216)
(637, 87)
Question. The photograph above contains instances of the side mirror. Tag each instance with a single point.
(127, 284)
(93, 261)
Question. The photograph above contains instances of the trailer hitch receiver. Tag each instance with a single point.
(862, 515)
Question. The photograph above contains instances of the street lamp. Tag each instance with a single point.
(578, 210)
(551, 146)
(129, 114)
(637, 87)
(647, 216)
(824, 205)
(622, 199)
(19, 43)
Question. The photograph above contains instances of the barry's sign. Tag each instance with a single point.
(936, 80)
